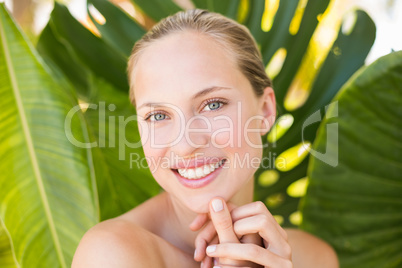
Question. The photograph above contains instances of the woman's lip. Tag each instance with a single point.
(196, 162)
(198, 183)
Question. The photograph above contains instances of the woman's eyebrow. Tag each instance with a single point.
(150, 104)
(208, 90)
(199, 94)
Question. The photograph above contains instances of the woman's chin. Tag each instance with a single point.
(200, 209)
(201, 205)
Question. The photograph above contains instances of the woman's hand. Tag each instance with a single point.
(208, 235)
(253, 218)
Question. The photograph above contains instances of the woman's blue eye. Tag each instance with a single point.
(157, 117)
(214, 105)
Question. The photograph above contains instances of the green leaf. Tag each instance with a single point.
(47, 192)
(122, 177)
(60, 54)
(120, 31)
(94, 52)
(297, 45)
(204, 4)
(346, 56)
(254, 17)
(233, 9)
(225, 7)
(124, 180)
(335, 71)
(356, 204)
(6, 253)
(157, 9)
(279, 35)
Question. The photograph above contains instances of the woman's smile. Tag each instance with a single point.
(199, 176)
(199, 172)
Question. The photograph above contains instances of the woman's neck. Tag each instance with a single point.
(179, 218)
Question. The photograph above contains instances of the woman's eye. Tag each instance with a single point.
(156, 117)
(213, 105)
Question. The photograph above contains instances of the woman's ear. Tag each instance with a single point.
(268, 110)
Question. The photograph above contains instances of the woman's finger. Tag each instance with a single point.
(261, 225)
(198, 222)
(228, 266)
(231, 206)
(206, 260)
(220, 216)
(249, 252)
(249, 238)
(204, 237)
(256, 208)
(222, 220)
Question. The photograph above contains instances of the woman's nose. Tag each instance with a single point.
(196, 134)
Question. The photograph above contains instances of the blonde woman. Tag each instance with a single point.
(203, 101)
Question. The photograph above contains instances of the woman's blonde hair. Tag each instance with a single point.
(233, 36)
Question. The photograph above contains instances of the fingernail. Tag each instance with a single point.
(195, 253)
(202, 263)
(216, 266)
(217, 205)
(211, 249)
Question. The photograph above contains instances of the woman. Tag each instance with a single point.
(203, 101)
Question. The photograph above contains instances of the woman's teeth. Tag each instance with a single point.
(196, 173)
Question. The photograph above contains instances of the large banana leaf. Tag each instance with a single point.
(119, 30)
(59, 54)
(95, 53)
(357, 205)
(123, 180)
(47, 191)
(6, 254)
(228, 8)
(80, 55)
(157, 9)
(334, 72)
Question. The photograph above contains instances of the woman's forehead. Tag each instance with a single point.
(181, 64)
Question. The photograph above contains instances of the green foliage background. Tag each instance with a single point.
(51, 191)
(357, 204)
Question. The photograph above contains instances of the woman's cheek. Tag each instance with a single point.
(154, 150)
(223, 133)
(249, 152)
(252, 132)
(150, 158)
(143, 130)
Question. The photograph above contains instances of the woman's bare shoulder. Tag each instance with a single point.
(117, 243)
(310, 251)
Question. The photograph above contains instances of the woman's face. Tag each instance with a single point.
(199, 119)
